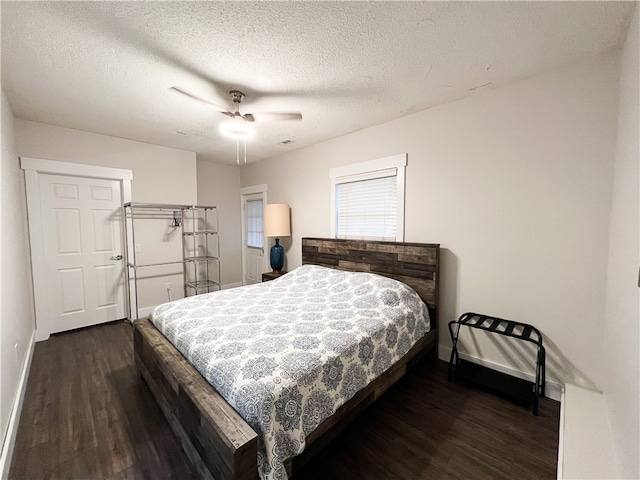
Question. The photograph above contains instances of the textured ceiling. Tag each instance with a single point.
(106, 67)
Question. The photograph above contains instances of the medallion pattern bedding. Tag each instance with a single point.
(287, 353)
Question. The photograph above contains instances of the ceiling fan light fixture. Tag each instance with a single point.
(236, 127)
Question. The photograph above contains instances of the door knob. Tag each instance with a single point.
(116, 257)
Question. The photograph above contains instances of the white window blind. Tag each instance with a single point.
(367, 199)
(367, 208)
(255, 227)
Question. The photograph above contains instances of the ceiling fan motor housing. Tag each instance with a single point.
(237, 96)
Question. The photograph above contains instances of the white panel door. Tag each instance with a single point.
(82, 229)
(253, 238)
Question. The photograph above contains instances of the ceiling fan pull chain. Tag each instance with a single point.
(237, 151)
(245, 150)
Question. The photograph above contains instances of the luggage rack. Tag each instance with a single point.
(509, 328)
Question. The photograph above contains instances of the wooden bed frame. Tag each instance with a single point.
(219, 443)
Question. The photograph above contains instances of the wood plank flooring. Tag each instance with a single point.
(88, 415)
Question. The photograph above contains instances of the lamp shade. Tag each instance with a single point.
(277, 221)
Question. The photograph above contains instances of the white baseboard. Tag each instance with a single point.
(231, 285)
(16, 410)
(553, 390)
(560, 474)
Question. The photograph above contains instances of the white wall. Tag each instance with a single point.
(160, 175)
(219, 185)
(515, 183)
(17, 318)
(621, 328)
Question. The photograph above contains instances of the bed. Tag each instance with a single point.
(219, 442)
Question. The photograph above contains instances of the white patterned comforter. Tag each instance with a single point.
(287, 353)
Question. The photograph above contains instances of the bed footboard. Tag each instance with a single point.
(219, 443)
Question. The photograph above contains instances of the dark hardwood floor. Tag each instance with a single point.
(88, 415)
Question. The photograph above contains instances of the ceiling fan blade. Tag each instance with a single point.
(200, 99)
(272, 116)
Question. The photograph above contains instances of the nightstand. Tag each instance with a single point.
(272, 275)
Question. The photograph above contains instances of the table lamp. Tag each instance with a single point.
(277, 223)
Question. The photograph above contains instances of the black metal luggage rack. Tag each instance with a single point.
(509, 328)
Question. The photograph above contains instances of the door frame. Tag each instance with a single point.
(244, 192)
(33, 168)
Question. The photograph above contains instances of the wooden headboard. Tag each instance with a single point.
(415, 264)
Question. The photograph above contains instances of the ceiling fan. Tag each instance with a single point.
(238, 126)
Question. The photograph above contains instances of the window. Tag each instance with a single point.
(255, 237)
(368, 200)
(367, 208)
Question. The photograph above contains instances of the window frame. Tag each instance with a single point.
(372, 169)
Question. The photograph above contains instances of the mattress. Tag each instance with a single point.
(286, 354)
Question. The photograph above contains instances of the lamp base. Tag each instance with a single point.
(276, 257)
